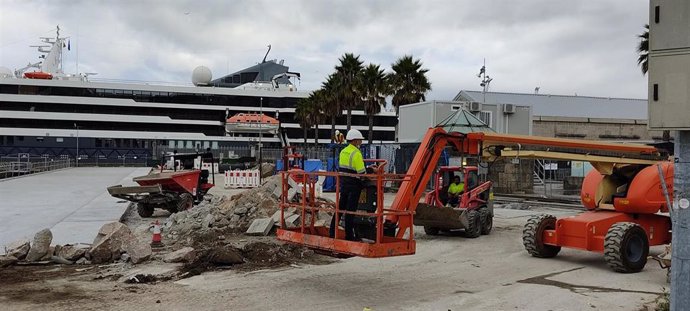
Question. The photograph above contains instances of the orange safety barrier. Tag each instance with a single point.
(308, 233)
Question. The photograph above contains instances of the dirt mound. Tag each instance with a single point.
(252, 256)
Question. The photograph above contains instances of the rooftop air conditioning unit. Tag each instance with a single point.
(475, 106)
(508, 108)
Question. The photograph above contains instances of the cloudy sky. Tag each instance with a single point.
(564, 47)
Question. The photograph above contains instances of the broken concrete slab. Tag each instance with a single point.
(185, 254)
(6, 261)
(138, 251)
(60, 260)
(108, 244)
(261, 226)
(292, 221)
(18, 249)
(40, 245)
(49, 253)
(152, 271)
(72, 252)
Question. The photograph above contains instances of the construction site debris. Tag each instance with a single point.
(138, 252)
(185, 254)
(260, 226)
(61, 261)
(49, 253)
(40, 245)
(7, 260)
(267, 169)
(18, 249)
(108, 244)
(225, 256)
(72, 252)
(222, 215)
(83, 261)
(516, 205)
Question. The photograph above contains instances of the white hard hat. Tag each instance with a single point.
(354, 134)
(337, 132)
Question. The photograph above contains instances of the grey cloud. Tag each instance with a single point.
(563, 46)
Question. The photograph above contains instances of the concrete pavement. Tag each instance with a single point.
(73, 203)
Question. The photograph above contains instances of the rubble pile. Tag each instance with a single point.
(223, 215)
(114, 242)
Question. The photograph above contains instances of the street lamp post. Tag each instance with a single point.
(77, 157)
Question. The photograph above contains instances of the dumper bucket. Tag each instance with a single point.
(444, 218)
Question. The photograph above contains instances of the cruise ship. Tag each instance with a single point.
(45, 112)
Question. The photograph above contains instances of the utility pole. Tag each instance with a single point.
(669, 52)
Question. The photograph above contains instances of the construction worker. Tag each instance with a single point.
(455, 189)
(339, 138)
(350, 161)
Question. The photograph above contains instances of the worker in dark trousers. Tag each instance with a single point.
(350, 161)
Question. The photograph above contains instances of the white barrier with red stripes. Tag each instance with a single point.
(242, 179)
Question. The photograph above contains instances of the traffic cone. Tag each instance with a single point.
(156, 238)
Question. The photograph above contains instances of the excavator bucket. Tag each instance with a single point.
(445, 218)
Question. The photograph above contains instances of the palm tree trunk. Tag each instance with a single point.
(305, 137)
(332, 128)
(349, 118)
(371, 129)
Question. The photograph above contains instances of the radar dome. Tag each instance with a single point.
(6, 72)
(201, 76)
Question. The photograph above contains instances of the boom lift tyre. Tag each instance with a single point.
(626, 247)
(532, 236)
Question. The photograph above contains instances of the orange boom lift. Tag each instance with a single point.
(390, 231)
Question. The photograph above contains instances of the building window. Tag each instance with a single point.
(59, 139)
(180, 144)
(486, 117)
(171, 144)
(455, 107)
(214, 145)
(39, 139)
(207, 144)
(190, 144)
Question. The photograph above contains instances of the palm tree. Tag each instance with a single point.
(408, 83)
(350, 70)
(318, 101)
(374, 90)
(303, 112)
(332, 100)
(643, 49)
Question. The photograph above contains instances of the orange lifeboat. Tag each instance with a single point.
(38, 75)
(251, 122)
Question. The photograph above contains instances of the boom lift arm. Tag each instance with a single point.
(604, 156)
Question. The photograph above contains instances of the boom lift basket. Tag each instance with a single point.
(381, 240)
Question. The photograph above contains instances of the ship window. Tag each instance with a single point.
(190, 144)
(180, 144)
(247, 77)
(227, 79)
(59, 139)
(214, 145)
(236, 79)
(39, 139)
(171, 144)
(10, 140)
(20, 138)
(99, 143)
(207, 144)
